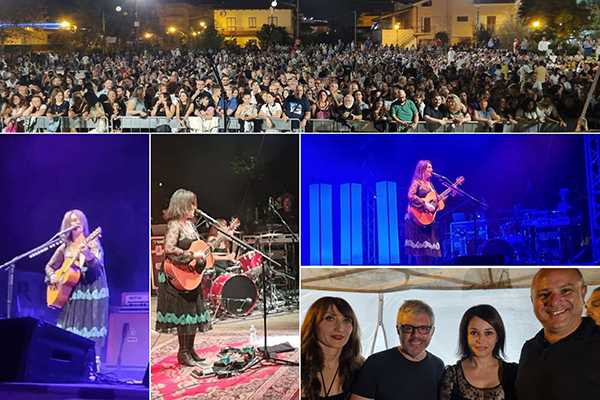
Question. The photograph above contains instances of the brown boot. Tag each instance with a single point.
(183, 354)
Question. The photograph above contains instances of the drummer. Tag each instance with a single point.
(224, 252)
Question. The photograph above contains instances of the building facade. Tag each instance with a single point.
(243, 25)
(417, 23)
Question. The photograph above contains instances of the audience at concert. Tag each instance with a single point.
(490, 87)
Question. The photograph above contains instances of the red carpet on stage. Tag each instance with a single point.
(170, 381)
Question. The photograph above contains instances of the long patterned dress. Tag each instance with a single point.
(420, 240)
(178, 311)
(86, 312)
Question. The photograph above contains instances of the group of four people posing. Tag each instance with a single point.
(560, 362)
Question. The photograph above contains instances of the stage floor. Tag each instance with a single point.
(170, 381)
(71, 391)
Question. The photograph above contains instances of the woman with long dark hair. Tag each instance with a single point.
(330, 350)
(481, 373)
(421, 242)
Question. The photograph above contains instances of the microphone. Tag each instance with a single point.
(197, 213)
(69, 229)
(270, 201)
(440, 176)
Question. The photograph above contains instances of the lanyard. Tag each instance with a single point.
(332, 381)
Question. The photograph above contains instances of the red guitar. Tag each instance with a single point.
(189, 276)
(425, 217)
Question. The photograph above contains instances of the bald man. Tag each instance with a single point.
(562, 362)
(593, 306)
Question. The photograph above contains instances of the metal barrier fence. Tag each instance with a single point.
(216, 124)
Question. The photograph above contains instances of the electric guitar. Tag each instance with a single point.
(189, 276)
(425, 217)
(68, 275)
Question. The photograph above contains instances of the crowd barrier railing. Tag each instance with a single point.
(216, 124)
(47, 124)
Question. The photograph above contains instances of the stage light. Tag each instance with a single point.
(65, 24)
(274, 3)
(118, 9)
(172, 29)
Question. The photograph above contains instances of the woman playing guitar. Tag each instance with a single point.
(181, 308)
(421, 242)
(85, 308)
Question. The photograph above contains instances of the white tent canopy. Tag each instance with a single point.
(376, 294)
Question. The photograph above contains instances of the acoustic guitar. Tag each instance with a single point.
(425, 217)
(189, 276)
(68, 275)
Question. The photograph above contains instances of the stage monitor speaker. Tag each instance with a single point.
(479, 260)
(35, 351)
(128, 340)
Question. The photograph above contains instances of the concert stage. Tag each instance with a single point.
(525, 200)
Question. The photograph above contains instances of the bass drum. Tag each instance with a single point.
(235, 294)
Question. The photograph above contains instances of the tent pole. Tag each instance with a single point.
(379, 324)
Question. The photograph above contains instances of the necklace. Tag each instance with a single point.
(332, 381)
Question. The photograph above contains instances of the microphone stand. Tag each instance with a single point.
(55, 241)
(283, 221)
(266, 356)
(215, 70)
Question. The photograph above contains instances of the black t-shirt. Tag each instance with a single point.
(59, 109)
(295, 107)
(389, 375)
(566, 370)
(342, 112)
(437, 114)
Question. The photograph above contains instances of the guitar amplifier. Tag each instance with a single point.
(128, 339)
(462, 237)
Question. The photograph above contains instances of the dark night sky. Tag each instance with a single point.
(310, 8)
(204, 164)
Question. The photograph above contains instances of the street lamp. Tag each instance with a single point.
(274, 4)
(118, 9)
(397, 28)
(171, 29)
(536, 24)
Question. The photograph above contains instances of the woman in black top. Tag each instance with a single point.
(330, 350)
(482, 372)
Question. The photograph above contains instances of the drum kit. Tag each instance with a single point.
(237, 290)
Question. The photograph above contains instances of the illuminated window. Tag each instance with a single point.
(230, 23)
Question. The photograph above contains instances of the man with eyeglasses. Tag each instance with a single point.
(408, 371)
(561, 362)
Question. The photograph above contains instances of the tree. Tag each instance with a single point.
(511, 29)
(559, 18)
(482, 35)
(270, 35)
(211, 39)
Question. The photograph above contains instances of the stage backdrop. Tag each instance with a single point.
(42, 177)
(359, 182)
